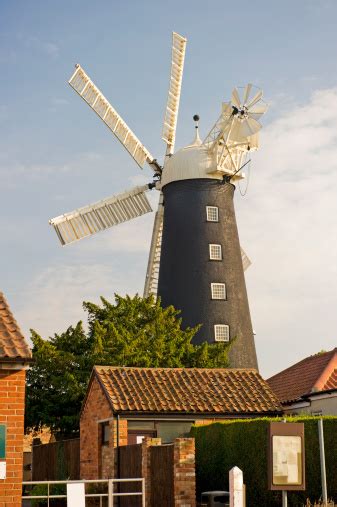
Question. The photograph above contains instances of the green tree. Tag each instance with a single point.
(132, 331)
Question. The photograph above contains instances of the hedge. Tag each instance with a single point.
(243, 443)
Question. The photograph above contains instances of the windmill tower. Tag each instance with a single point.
(195, 261)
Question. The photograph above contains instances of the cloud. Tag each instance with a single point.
(56, 103)
(133, 236)
(53, 300)
(12, 173)
(287, 225)
(59, 101)
(288, 228)
(8, 56)
(4, 113)
(51, 49)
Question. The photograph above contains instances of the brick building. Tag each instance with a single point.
(15, 356)
(124, 405)
(309, 386)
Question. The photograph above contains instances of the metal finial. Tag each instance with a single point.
(197, 140)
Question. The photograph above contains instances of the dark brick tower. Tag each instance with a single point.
(201, 271)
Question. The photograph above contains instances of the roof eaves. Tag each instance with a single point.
(289, 402)
(318, 393)
(206, 415)
(19, 359)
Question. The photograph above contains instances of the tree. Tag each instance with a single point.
(133, 331)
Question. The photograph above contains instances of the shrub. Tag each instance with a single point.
(243, 443)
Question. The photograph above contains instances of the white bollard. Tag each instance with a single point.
(236, 487)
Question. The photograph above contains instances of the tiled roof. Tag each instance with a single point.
(305, 377)
(12, 343)
(187, 390)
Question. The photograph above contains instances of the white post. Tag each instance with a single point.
(75, 494)
(143, 492)
(236, 487)
(110, 493)
(284, 493)
(322, 456)
(284, 499)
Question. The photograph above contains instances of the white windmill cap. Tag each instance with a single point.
(191, 162)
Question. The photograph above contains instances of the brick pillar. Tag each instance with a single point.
(110, 452)
(107, 455)
(123, 432)
(184, 472)
(12, 405)
(147, 443)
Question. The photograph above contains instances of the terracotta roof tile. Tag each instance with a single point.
(12, 342)
(192, 390)
(291, 384)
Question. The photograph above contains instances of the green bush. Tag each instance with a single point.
(244, 443)
(42, 490)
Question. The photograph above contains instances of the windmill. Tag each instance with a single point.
(195, 260)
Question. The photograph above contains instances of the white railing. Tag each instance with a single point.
(110, 493)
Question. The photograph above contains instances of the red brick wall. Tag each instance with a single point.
(184, 472)
(96, 408)
(97, 460)
(123, 432)
(12, 405)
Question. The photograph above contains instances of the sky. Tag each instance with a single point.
(56, 155)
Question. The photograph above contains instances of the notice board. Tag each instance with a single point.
(286, 470)
(2, 441)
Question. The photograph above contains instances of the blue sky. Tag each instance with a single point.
(55, 154)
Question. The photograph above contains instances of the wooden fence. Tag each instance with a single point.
(129, 467)
(56, 461)
(160, 470)
(162, 466)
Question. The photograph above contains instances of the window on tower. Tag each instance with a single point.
(221, 333)
(212, 213)
(218, 290)
(215, 252)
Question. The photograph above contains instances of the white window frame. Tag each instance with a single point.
(216, 289)
(209, 211)
(222, 329)
(212, 255)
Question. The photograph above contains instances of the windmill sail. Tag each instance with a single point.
(220, 126)
(86, 89)
(246, 262)
(102, 215)
(172, 107)
(235, 132)
(152, 273)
